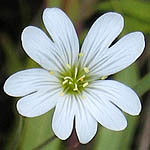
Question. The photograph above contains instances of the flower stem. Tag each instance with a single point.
(143, 85)
(49, 140)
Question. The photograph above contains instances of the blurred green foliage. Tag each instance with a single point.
(136, 13)
(35, 131)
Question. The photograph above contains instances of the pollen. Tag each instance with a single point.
(83, 97)
(104, 77)
(52, 72)
(82, 78)
(62, 94)
(81, 54)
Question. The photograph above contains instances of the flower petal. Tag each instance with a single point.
(86, 125)
(63, 33)
(102, 33)
(119, 94)
(29, 81)
(38, 103)
(120, 55)
(106, 113)
(62, 123)
(41, 49)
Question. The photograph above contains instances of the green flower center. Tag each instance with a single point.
(74, 80)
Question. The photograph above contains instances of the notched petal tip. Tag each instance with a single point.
(6, 87)
(23, 113)
(19, 109)
(62, 136)
(86, 140)
(27, 31)
(121, 127)
(54, 9)
(116, 16)
(51, 11)
(139, 36)
(137, 109)
(117, 126)
(27, 36)
(36, 104)
(62, 32)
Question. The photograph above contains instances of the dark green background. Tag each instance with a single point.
(18, 133)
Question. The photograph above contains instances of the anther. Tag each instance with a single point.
(86, 69)
(85, 84)
(81, 78)
(52, 72)
(70, 82)
(65, 82)
(83, 96)
(81, 54)
(104, 77)
(62, 94)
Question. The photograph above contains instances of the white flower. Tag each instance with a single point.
(72, 80)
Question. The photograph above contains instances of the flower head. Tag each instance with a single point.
(72, 80)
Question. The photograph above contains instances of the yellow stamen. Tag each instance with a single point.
(85, 84)
(52, 72)
(69, 66)
(81, 79)
(70, 82)
(65, 82)
(86, 69)
(104, 77)
(81, 54)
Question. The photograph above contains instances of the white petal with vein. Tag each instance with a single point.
(38, 103)
(104, 111)
(120, 55)
(63, 33)
(29, 81)
(85, 123)
(102, 33)
(62, 123)
(119, 94)
(41, 49)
